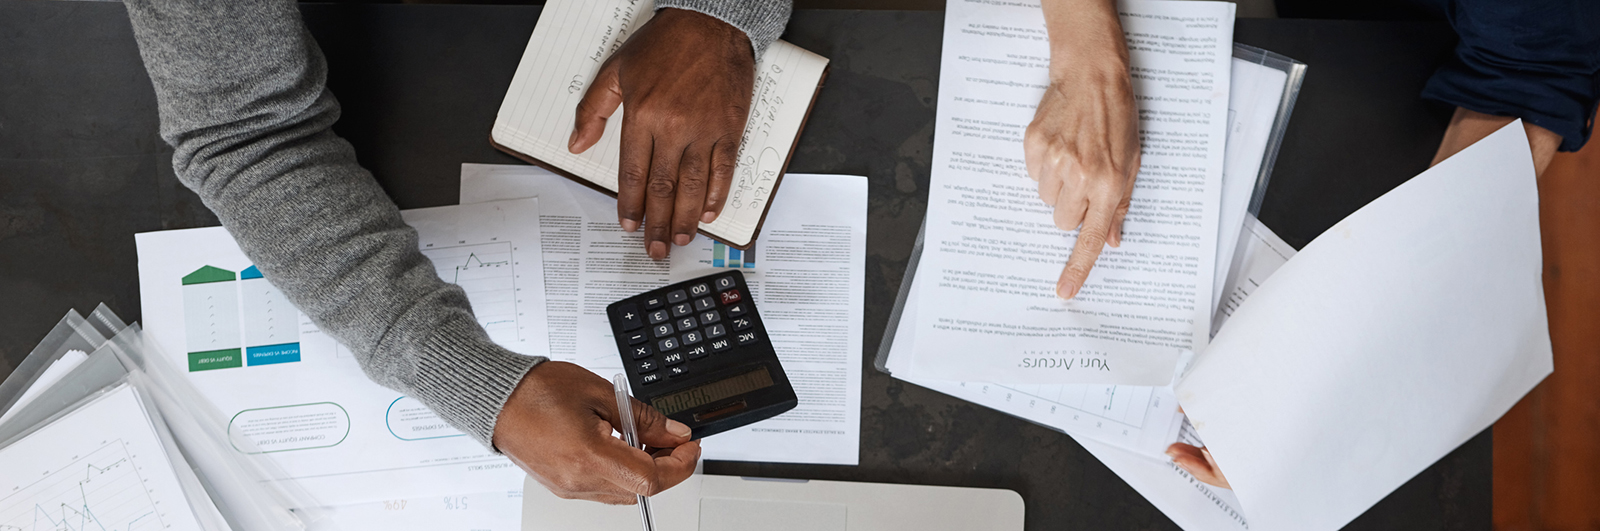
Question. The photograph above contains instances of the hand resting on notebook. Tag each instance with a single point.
(1083, 144)
(685, 79)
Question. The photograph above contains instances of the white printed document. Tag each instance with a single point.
(988, 311)
(1391, 339)
(807, 274)
(300, 396)
(478, 511)
(100, 466)
(1188, 502)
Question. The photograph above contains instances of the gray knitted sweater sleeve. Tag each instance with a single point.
(762, 20)
(240, 90)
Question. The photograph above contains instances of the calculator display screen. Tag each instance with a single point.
(707, 393)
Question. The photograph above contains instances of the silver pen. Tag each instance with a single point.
(630, 434)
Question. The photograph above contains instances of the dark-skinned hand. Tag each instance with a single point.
(557, 426)
(685, 81)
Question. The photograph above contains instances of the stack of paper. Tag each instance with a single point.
(538, 274)
(1138, 320)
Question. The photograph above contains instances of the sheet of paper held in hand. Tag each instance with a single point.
(993, 254)
(536, 117)
(301, 396)
(1409, 327)
(807, 274)
(1188, 502)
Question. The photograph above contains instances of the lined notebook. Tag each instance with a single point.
(574, 37)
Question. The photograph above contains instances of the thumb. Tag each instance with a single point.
(655, 429)
(599, 102)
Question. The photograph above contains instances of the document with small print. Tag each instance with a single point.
(988, 311)
(808, 276)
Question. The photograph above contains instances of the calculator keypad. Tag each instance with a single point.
(687, 324)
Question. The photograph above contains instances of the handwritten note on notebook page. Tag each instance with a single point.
(993, 253)
(571, 42)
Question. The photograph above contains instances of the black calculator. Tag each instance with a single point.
(698, 352)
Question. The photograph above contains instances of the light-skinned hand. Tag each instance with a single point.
(685, 80)
(1083, 144)
(557, 425)
(1198, 463)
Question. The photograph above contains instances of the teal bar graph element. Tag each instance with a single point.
(271, 323)
(211, 319)
(724, 256)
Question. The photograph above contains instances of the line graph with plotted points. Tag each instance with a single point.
(485, 272)
(99, 491)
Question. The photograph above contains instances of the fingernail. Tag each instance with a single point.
(1172, 453)
(572, 140)
(629, 225)
(658, 250)
(708, 217)
(677, 428)
(682, 239)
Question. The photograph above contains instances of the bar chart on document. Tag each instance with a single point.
(1139, 418)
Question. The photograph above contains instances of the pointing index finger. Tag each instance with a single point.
(1091, 240)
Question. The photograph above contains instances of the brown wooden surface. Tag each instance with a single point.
(1547, 448)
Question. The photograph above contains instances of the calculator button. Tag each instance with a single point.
(699, 290)
(672, 359)
(650, 378)
(719, 345)
(635, 338)
(645, 366)
(677, 371)
(716, 331)
(741, 323)
(676, 296)
(687, 323)
(652, 303)
(630, 317)
(730, 297)
(659, 316)
(697, 352)
(641, 351)
(690, 338)
(704, 303)
(726, 283)
(738, 310)
(667, 344)
(663, 330)
(746, 338)
(710, 317)
(681, 309)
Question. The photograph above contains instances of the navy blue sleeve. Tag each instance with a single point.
(1538, 60)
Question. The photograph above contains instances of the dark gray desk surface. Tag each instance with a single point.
(82, 170)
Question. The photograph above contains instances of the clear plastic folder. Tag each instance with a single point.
(122, 420)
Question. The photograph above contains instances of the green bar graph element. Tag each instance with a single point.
(215, 359)
(208, 274)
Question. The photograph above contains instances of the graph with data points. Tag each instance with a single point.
(100, 491)
(485, 272)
